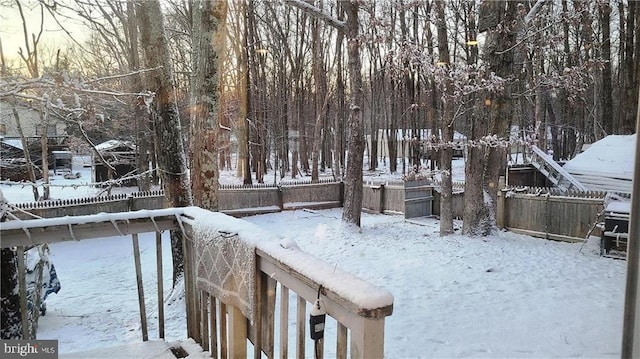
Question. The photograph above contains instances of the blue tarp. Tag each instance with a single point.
(50, 282)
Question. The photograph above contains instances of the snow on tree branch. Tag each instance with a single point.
(316, 12)
(535, 9)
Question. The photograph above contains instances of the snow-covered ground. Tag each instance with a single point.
(504, 295)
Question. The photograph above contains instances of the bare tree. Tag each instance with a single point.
(210, 39)
(446, 153)
(172, 159)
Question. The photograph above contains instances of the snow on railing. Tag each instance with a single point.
(359, 308)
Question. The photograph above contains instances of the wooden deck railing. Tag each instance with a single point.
(359, 308)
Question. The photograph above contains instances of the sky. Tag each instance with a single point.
(11, 27)
(504, 295)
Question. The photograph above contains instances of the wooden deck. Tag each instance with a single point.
(153, 349)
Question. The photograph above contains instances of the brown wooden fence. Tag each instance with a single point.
(539, 212)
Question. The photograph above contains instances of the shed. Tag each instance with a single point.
(607, 165)
(119, 154)
(62, 161)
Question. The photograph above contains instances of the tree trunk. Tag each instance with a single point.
(500, 110)
(320, 100)
(446, 153)
(205, 117)
(10, 320)
(338, 125)
(140, 113)
(170, 150)
(44, 147)
(607, 99)
(352, 211)
(244, 169)
(27, 155)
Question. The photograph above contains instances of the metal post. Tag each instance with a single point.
(630, 340)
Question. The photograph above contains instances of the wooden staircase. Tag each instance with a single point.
(553, 171)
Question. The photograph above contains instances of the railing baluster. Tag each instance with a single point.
(214, 327)
(341, 346)
(160, 285)
(301, 326)
(143, 309)
(258, 314)
(204, 328)
(238, 334)
(223, 331)
(268, 324)
(284, 322)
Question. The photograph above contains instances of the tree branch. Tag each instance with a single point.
(317, 13)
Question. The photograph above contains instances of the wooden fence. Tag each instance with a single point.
(236, 200)
(90, 205)
(549, 213)
(540, 211)
(413, 199)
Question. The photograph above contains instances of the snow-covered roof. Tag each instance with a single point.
(13, 142)
(607, 164)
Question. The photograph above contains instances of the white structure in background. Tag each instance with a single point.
(607, 165)
(29, 121)
(423, 134)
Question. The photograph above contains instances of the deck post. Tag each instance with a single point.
(368, 341)
(631, 314)
(500, 211)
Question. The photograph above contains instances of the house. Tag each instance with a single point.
(30, 122)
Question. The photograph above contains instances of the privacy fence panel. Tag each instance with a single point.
(316, 196)
(552, 217)
(373, 198)
(418, 197)
(393, 200)
(249, 200)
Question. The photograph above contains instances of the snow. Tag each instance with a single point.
(612, 156)
(13, 142)
(154, 349)
(96, 218)
(607, 164)
(112, 144)
(504, 295)
(619, 207)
